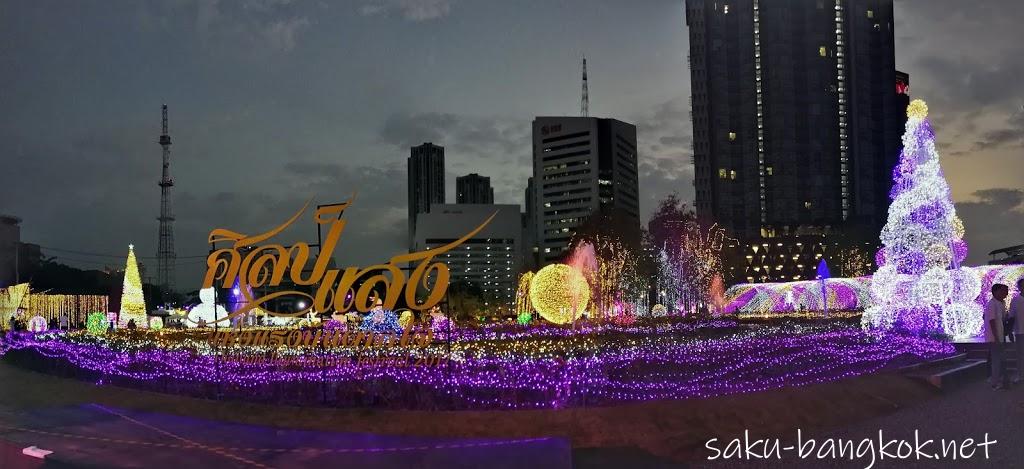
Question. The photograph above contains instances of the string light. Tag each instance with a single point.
(133, 303)
(51, 306)
(96, 323)
(921, 285)
(560, 293)
(406, 320)
(605, 365)
(37, 324)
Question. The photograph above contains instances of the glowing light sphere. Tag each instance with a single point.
(917, 109)
(406, 319)
(880, 257)
(524, 318)
(37, 324)
(958, 227)
(878, 318)
(658, 310)
(96, 323)
(934, 287)
(560, 293)
(381, 321)
(884, 283)
(962, 320)
(156, 323)
(966, 285)
(938, 255)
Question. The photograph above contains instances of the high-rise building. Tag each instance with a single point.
(10, 244)
(796, 125)
(426, 181)
(473, 189)
(530, 249)
(490, 260)
(581, 166)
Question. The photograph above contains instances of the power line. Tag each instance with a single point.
(116, 264)
(117, 256)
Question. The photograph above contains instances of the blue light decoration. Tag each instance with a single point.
(823, 275)
(380, 320)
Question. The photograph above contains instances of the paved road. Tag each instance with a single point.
(97, 436)
(968, 412)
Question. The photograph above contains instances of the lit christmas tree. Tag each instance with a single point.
(919, 286)
(133, 303)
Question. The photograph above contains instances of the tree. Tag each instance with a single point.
(667, 224)
(919, 286)
(466, 299)
(133, 302)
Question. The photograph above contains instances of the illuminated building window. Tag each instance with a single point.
(871, 14)
(807, 205)
(722, 173)
(768, 170)
(822, 51)
(732, 136)
(725, 9)
(732, 174)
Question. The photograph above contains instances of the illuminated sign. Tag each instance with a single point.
(257, 265)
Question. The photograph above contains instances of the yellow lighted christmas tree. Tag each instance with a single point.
(133, 303)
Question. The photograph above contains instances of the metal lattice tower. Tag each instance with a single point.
(165, 252)
(585, 99)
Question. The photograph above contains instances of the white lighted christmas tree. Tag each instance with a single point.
(919, 286)
(133, 303)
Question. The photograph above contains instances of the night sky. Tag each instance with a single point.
(275, 101)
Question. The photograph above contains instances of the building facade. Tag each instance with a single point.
(489, 260)
(473, 189)
(426, 181)
(581, 166)
(797, 122)
(10, 245)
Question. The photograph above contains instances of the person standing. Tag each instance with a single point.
(995, 312)
(1017, 312)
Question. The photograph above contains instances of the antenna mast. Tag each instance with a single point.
(165, 251)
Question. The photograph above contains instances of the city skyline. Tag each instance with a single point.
(278, 102)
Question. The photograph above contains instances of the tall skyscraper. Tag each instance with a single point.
(581, 166)
(796, 125)
(473, 189)
(426, 182)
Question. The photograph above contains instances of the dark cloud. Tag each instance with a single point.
(1012, 135)
(277, 101)
(500, 148)
(412, 10)
(994, 220)
(664, 133)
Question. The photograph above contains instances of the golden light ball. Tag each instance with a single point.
(958, 227)
(559, 293)
(917, 109)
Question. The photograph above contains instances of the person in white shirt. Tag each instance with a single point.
(995, 311)
(1017, 312)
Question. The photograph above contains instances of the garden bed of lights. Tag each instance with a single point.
(492, 367)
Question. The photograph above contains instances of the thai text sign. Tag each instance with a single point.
(256, 265)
